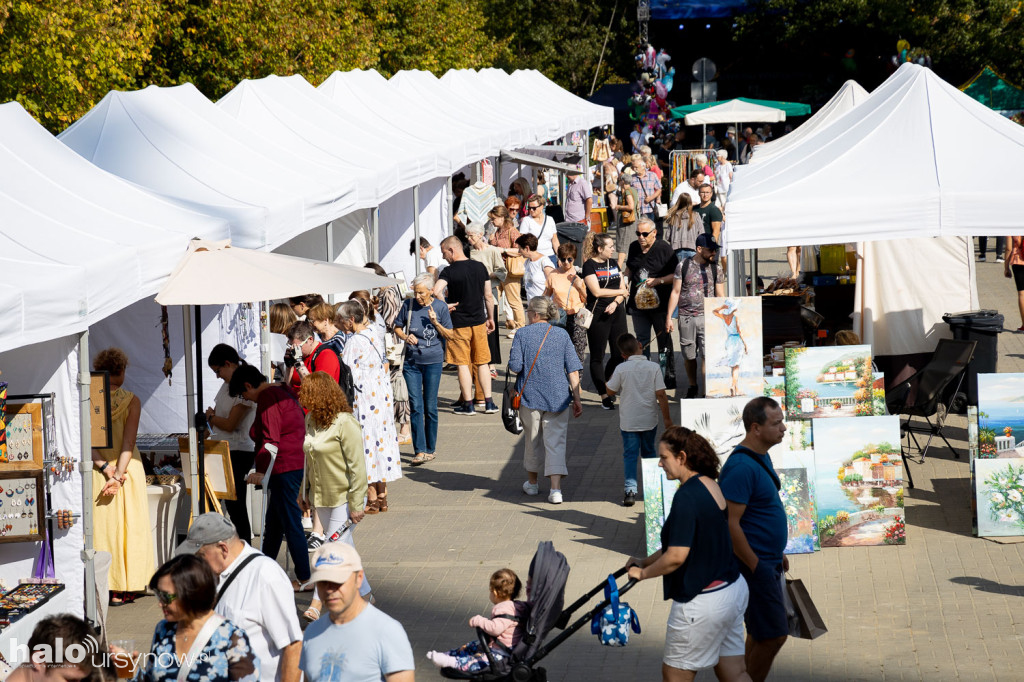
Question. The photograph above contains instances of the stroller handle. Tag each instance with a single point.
(566, 614)
(563, 619)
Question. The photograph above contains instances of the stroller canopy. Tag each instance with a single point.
(549, 571)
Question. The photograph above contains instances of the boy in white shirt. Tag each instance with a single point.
(642, 386)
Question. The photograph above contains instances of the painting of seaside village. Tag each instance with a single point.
(828, 381)
(1000, 416)
(859, 481)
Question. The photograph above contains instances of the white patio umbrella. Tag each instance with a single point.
(216, 273)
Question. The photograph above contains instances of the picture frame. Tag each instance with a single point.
(217, 456)
(29, 527)
(25, 443)
(99, 409)
(403, 285)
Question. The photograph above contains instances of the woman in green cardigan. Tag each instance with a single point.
(335, 475)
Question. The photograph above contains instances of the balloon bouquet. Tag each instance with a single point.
(912, 55)
(649, 103)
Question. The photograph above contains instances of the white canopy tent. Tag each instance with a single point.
(78, 245)
(577, 113)
(734, 111)
(932, 130)
(846, 98)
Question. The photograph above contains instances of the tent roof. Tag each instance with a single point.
(994, 91)
(478, 90)
(536, 161)
(77, 244)
(579, 113)
(848, 96)
(175, 142)
(790, 108)
(735, 111)
(930, 128)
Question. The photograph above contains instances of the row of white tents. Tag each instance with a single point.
(96, 219)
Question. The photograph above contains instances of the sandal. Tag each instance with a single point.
(311, 614)
(382, 503)
(422, 458)
(371, 507)
(297, 587)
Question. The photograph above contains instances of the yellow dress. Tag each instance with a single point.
(121, 523)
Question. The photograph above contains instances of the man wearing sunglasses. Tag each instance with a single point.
(650, 263)
(541, 226)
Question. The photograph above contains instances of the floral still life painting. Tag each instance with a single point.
(1000, 486)
(859, 481)
(829, 381)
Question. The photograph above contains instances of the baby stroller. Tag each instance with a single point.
(549, 572)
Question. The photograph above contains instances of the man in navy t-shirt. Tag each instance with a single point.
(757, 523)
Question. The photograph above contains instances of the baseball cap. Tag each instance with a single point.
(207, 529)
(334, 562)
(707, 241)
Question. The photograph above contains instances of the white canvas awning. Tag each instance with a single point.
(735, 111)
(537, 161)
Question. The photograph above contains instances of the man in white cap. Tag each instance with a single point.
(356, 642)
(253, 592)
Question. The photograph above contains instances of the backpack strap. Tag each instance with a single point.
(772, 474)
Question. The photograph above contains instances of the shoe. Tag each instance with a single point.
(981, 259)
(511, 334)
(608, 403)
(555, 497)
(466, 409)
(629, 499)
(307, 523)
(314, 542)
(1000, 260)
(371, 507)
(490, 407)
(531, 488)
(479, 405)
(1020, 328)
(458, 403)
(691, 392)
(494, 374)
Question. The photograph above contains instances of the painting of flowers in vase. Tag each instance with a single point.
(829, 381)
(1000, 495)
(859, 481)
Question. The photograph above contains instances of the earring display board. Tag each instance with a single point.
(99, 409)
(217, 456)
(25, 447)
(22, 508)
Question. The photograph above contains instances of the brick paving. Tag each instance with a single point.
(944, 607)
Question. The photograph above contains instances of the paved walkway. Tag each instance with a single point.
(943, 607)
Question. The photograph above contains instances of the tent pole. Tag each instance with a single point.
(330, 253)
(265, 358)
(753, 272)
(416, 221)
(449, 220)
(375, 229)
(733, 276)
(200, 417)
(497, 177)
(190, 403)
(85, 427)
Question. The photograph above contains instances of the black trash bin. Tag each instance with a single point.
(982, 326)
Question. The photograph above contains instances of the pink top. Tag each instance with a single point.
(505, 630)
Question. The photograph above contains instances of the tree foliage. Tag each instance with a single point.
(961, 36)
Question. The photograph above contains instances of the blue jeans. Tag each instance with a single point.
(284, 519)
(636, 443)
(683, 254)
(423, 381)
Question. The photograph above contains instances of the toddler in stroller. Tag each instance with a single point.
(505, 627)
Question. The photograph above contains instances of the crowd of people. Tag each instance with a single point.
(357, 380)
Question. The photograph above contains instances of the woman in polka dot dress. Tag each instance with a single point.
(373, 404)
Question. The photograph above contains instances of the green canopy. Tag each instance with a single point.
(791, 108)
(994, 91)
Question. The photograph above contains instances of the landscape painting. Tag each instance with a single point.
(879, 408)
(829, 381)
(733, 356)
(1000, 416)
(775, 387)
(1000, 497)
(859, 481)
(719, 420)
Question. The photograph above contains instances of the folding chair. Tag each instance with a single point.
(920, 396)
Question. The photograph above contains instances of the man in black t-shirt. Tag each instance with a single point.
(652, 261)
(471, 305)
(709, 213)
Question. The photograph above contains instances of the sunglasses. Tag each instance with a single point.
(533, 208)
(643, 234)
(565, 260)
(165, 597)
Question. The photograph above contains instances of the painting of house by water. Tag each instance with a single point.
(859, 481)
(829, 381)
(1000, 416)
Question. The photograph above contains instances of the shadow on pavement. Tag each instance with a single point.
(986, 585)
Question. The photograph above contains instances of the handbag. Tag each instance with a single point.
(399, 389)
(612, 625)
(512, 399)
(627, 215)
(585, 315)
(515, 266)
(808, 622)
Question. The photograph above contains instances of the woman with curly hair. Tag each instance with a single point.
(120, 507)
(335, 480)
(705, 623)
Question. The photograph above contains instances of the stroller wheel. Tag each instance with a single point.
(523, 673)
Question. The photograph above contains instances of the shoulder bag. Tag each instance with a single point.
(627, 216)
(512, 399)
(585, 315)
(204, 635)
(399, 389)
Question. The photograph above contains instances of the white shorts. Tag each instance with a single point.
(706, 628)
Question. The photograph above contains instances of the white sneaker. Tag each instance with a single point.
(531, 488)
(307, 523)
(511, 334)
(555, 497)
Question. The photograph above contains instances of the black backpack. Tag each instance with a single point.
(348, 386)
